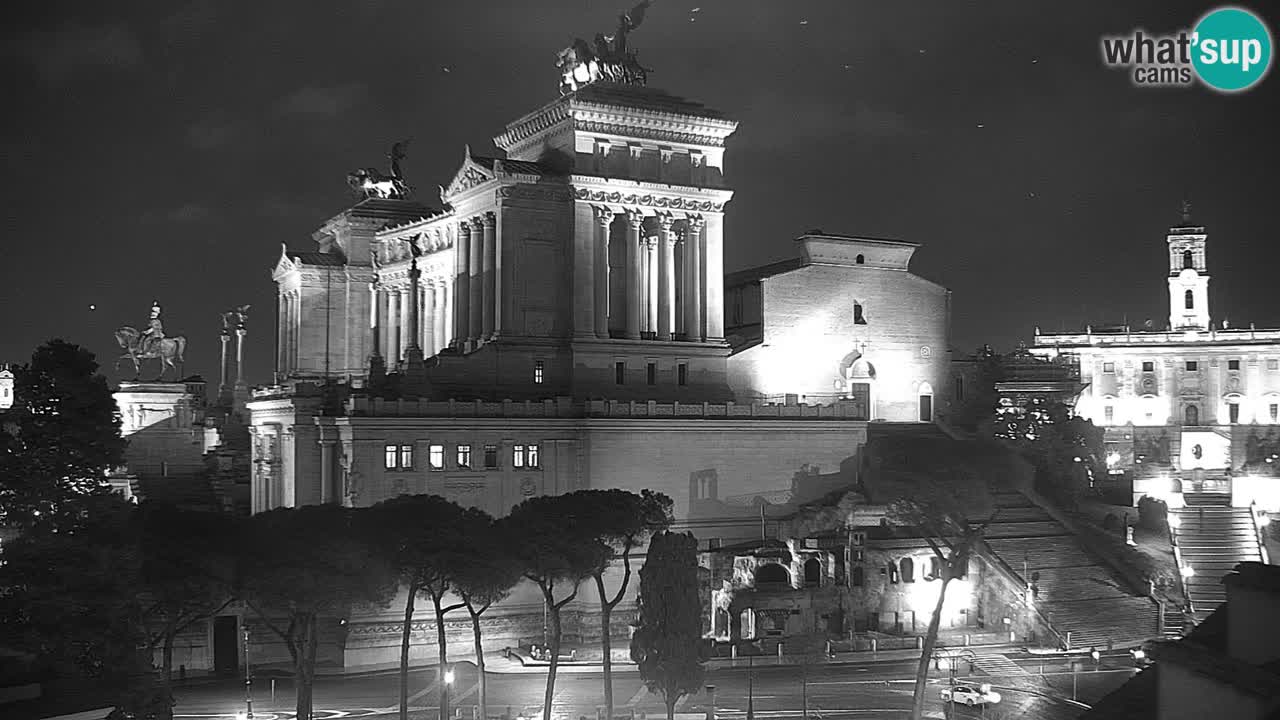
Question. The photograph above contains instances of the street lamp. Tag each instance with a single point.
(1187, 572)
(1097, 658)
(248, 678)
(444, 693)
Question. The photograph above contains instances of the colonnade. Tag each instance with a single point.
(672, 279)
(392, 314)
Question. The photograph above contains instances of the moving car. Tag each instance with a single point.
(970, 695)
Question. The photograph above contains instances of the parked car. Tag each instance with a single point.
(970, 695)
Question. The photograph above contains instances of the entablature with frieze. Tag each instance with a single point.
(650, 196)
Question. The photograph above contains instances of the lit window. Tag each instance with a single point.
(517, 456)
(619, 372)
(651, 373)
(1233, 364)
(389, 457)
(436, 457)
(538, 367)
(682, 374)
(464, 456)
(490, 457)
(1108, 367)
(858, 318)
(1148, 366)
(531, 456)
(1192, 366)
(406, 457)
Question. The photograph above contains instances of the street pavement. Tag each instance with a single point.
(1032, 687)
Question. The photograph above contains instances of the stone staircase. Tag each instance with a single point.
(1076, 592)
(190, 493)
(1213, 538)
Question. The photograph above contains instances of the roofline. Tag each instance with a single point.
(858, 238)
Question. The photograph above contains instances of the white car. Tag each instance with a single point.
(969, 695)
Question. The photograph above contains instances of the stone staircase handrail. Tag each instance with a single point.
(1012, 576)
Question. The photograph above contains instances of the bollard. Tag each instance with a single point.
(273, 691)
(919, 643)
(733, 652)
(873, 644)
(779, 650)
(966, 639)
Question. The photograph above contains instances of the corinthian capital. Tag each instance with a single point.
(666, 220)
(696, 222)
(635, 218)
(603, 215)
(488, 220)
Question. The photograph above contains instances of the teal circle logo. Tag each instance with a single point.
(1231, 49)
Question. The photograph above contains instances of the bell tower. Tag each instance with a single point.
(1188, 275)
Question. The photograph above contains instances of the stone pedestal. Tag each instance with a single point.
(164, 424)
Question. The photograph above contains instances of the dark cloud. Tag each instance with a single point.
(60, 53)
(333, 100)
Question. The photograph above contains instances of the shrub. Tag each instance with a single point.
(1153, 514)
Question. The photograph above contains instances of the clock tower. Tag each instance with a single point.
(1188, 275)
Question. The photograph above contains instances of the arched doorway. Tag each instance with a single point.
(1191, 415)
(926, 402)
(772, 574)
(812, 572)
(859, 381)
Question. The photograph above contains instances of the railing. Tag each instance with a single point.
(1177, 560)
(567, 408)
(1258, 531)
(1012, 576)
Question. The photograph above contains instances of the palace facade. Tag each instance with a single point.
(1194, 407)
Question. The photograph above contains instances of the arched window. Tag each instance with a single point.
(860, 260)
(908, 570)
(812, 572)
(1191, 415)
(1188, 261)
(772, 573)
(858, 319)
(1189, 300)
(859, 577)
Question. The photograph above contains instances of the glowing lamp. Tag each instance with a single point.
(1263, 519)
(1174, 522)
(1113, 458)
(1187, 571)
(1093, 653)
(448, 677)
(1008, 621)
(1076, 459)
(984, 688)
(241, 716)
(1139, 653)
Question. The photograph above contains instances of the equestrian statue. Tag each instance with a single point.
(151, 344)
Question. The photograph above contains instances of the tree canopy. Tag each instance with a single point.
(667, 642)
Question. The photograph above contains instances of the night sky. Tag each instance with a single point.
(161, 150)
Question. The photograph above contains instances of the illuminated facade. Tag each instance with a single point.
(1196, 403)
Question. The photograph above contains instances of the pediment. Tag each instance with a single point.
(469, 175)
(284, 265)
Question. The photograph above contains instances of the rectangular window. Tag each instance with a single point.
(651, 373)
(1233, 412)
(406, 457)
(1233, 364)
(619, 372)
(538, 367)
(435, 456)
(1274, 409)
(1109, 413)
(389, 457)
(1273, 364)
(531, 457)
(490, 457)
(464, 456)
(517, 456)
(1148, 366)
(1192, 366)
(1108, 367)
(682, 374)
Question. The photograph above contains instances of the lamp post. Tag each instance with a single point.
(751, 697)
(711, 713)
(444, 693)
(248, 678)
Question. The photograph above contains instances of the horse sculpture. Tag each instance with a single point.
(166, 350)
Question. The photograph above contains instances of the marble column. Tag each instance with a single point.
(429, 346)
(407, 318)
(666, 276)
(475, 306)
(375, 323)
(488, 270)
(393, 327)
(603, 220)
(282, 310)
(461, 284)
(634, 291)
(651, 286)
(328, 491)
(693, 264)
(713, 272)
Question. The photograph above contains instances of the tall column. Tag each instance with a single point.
(225, 337)
(693, 265)
(461, 283)
(666, 276)
(713, 271)
(240, 333)
(679, 233)
(447, 299)
(488, 269)
(651, 285)
(475, 307)
(603, 219)
(328, 491)
(375, 321)
(429, 346)
(634, 292)
(412, 301)
(282, 313)
(393, 327)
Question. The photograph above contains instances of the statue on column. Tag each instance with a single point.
(150, 343)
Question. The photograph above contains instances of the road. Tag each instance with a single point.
(866, 690)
